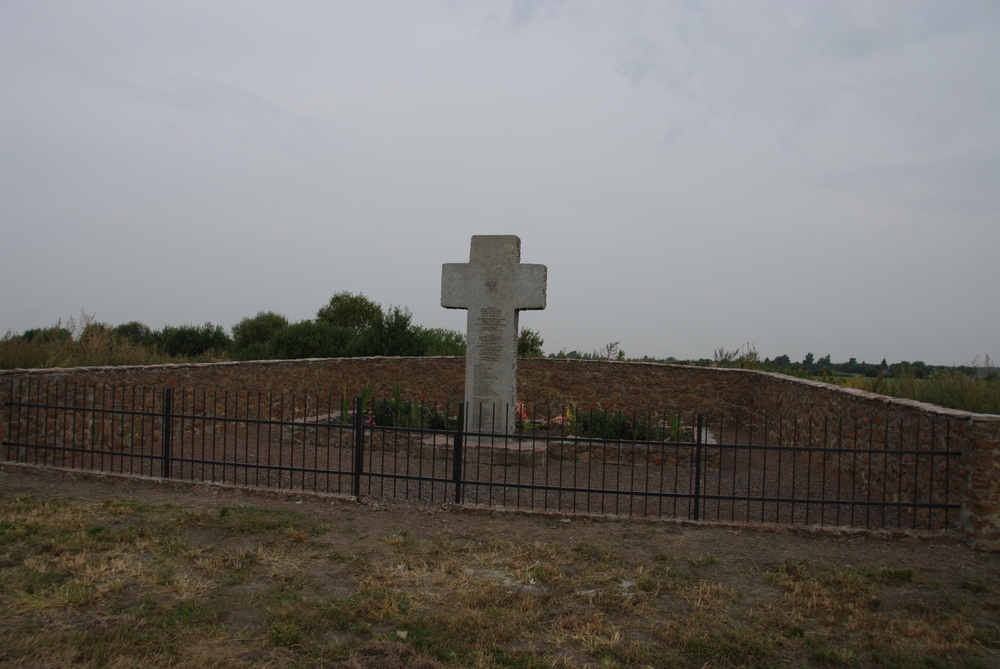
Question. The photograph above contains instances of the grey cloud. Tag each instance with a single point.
(523, 12)
(641, 60)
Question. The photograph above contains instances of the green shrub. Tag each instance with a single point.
(135, 333)
(392, 335)
(56, 333)
(194, 340)
(310, 339)
(257, 330)
(259, 351)
(602, 424)
(439, 341)
(389, 412)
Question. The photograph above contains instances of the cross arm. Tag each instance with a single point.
(456, 285)
(531, 284)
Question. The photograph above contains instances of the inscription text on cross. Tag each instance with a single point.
(493, 286)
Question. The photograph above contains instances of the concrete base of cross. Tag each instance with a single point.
(511, 452)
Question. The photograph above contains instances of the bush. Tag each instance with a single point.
(193, 340)
(439, 341)
(136, 333)
(392, 412)
(252, 336)
(601, 424)
(393, 335)
(56, 333)
(258, 351)
(308, 339)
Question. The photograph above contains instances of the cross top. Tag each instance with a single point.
(494, 286)
(493, 274)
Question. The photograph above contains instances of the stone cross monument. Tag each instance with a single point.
(493, 286)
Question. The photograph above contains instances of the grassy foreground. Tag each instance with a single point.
(123, 582)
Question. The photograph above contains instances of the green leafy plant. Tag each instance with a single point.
(676, 424)
(397, 411)
(194, 340)
(604, 424)
(366, 397)
(529, 344)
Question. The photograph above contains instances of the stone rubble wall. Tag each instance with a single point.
(297, 389)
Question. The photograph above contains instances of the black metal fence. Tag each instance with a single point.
(870, 471)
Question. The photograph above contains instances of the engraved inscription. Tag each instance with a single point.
(485, 383)
(491, 323)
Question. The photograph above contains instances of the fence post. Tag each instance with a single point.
(166, 432)
(697, 470)
(456, 474)
(359, 447)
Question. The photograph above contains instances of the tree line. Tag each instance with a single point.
(348, 325)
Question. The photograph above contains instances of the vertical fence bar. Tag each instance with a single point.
(697, 469)
(12, 435)
(456, 473)
(359, 447)
(168, 398)
(947, 468)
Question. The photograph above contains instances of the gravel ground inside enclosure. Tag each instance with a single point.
(656, 480)
(127, 572)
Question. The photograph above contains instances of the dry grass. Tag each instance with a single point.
(120, 583)
(97, 348)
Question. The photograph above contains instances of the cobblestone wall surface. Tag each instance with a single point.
(609, 384)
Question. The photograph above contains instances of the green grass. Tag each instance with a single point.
(948, 388)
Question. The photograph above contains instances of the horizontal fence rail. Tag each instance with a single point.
(868, 471)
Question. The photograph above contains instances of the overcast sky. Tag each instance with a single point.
(804, 176)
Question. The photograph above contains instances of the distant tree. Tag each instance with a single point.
(193, 340)
(392, 335)
(439, 341)
(824, 361)
(529, 344)
(257, 330)
(347, 310)
(135, 332)
(309, 339)
(808, 360)
(782, 361)
(45, 335)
